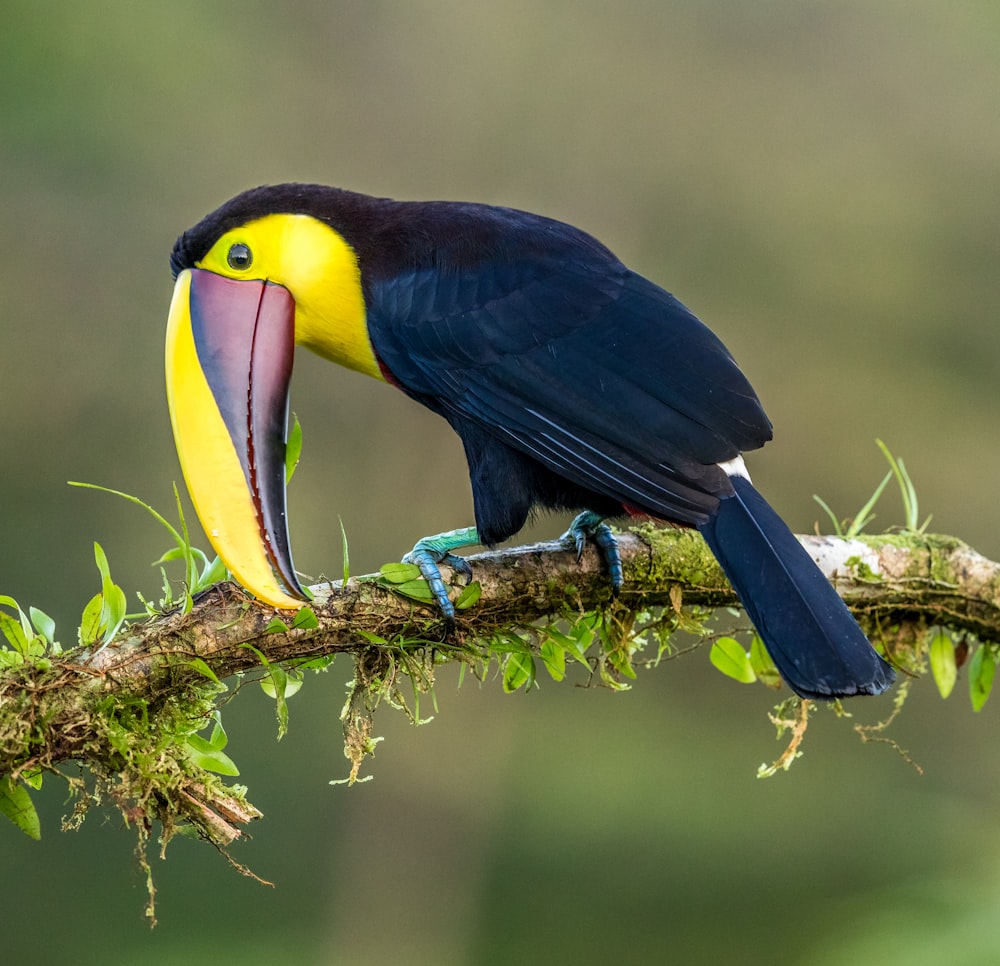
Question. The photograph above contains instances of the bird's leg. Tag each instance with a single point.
(591, 526)
(428, 554)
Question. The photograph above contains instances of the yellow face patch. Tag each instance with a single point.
(321, 271)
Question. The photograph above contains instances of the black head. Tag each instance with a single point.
(332, 205)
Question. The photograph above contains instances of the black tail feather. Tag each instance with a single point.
(810, 634)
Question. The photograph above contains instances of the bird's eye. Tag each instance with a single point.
(240, 257)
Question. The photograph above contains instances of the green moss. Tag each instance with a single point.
(938, 548)
(679, 555)
(138, 753)
(862, 571)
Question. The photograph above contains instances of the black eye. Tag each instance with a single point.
(240, 257)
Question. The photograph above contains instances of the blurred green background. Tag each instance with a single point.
(817, 180)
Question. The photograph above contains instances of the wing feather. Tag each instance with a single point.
(561, 352)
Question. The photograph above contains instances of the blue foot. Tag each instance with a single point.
(591, 526)
(428, 554)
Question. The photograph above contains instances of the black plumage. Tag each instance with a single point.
(575, 383)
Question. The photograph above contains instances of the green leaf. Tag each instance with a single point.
(274, 683)
(113, 602)
(213, 573)
(219, 738)
(197, 664)
(982, 669)
(276, 626)
(102, 562)
(416, 590)
(728, 656)
(14, 633)
(570, 645)
(16, 804)
(174, 553)
(762, 664)
(27, 631)
(277, 687)
(519, 671)
(838, 530)
(399, 573)
(504, 642)
(18, 632)
(44, 624)
(293, 449)
(469, 596)
(305, 619)
(292, 683)
(205, 755)
(907, 491)
(208, 753)
(620, 659)
(274, 686)
(865, 515)
(32, 777)
(344, 550)
(941, 654)
(90, 622)
(554, 658)
(117, 607)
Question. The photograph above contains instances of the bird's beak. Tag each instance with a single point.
(229, 357)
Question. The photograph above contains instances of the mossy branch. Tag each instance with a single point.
(126, 711)
(888, 579)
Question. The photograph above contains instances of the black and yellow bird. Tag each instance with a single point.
(573, 383)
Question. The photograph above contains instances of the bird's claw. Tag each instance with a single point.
(591, 526)
(428, 555)
(428, 562)
(460, 565)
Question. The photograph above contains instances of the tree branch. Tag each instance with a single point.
(126, 711)
(887, 578)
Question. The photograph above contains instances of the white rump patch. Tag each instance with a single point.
(736, 467)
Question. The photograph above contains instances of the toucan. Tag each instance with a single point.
(573, 382)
